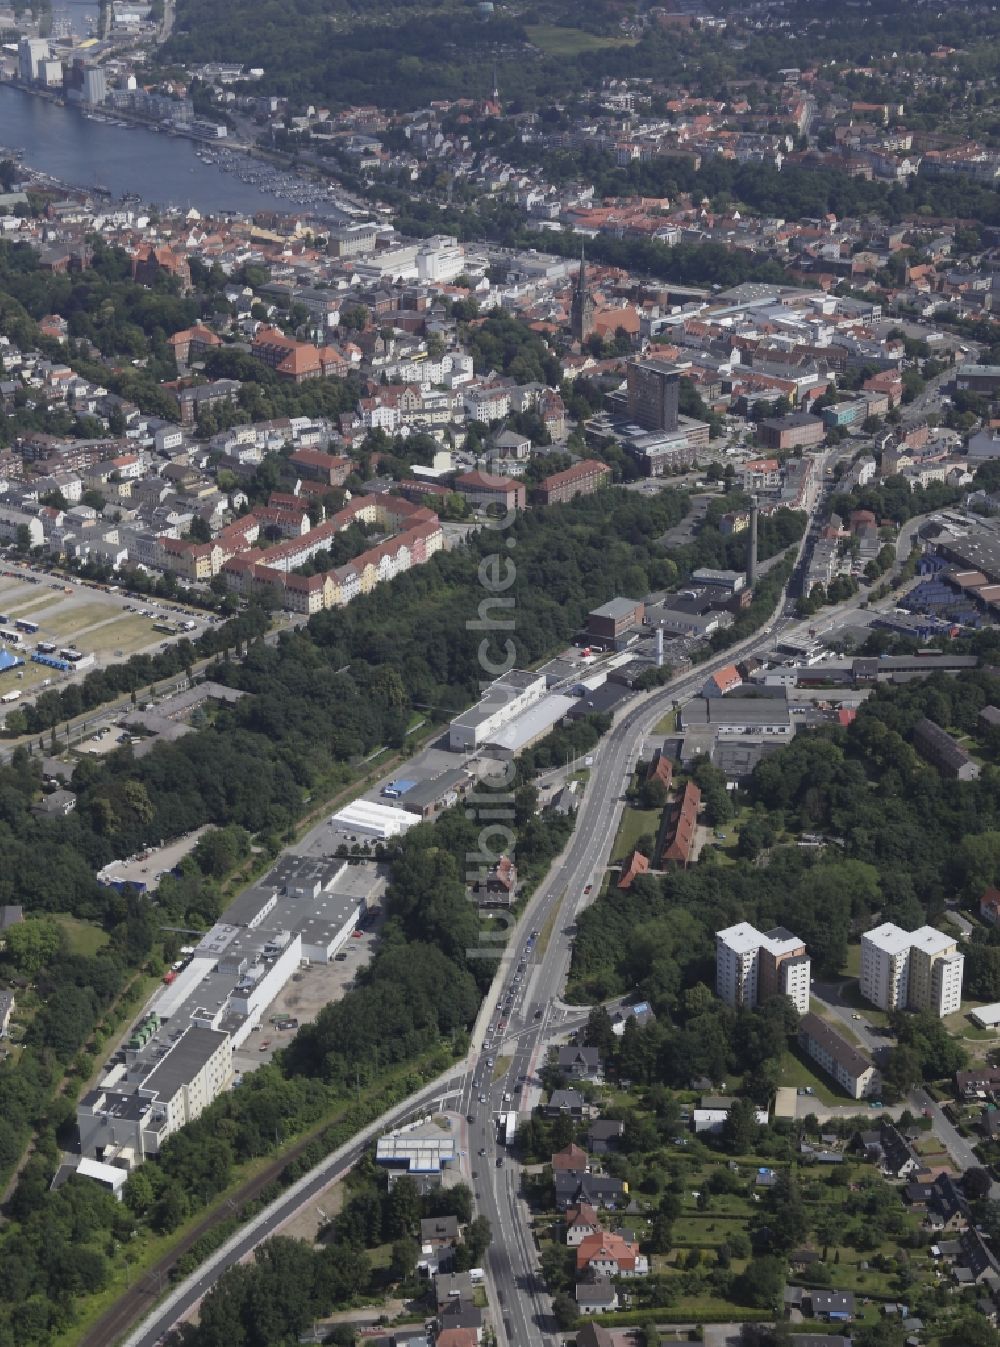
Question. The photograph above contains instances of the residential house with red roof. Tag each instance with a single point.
(193, 343)
(660, 769)
(610, 1255)
(989, 906)
(571, 1157)
(295, 361)
(637, 864)
(581, 1222)
(499, 888)
(722, 682)
(681, 829)
(482, 490)
(150, 261)
(314, 464)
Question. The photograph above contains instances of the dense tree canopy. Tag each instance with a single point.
(903, 838)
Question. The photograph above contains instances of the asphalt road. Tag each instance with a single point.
(929, 400)
(531, 986)
(504, 1061)
(854, 1020)
(955, 1144)
(919, 1101)
(963, 923)
(187, 1295)
(522, 1309)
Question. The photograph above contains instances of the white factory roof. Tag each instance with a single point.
(169, 999)
(420, 1148)
(987, 1017)
(532, 722)
(368, 816)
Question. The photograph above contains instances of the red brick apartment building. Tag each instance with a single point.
(582, 479)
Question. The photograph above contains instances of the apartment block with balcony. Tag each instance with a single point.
(911, 970)
(737, 963)
(752, 966)
(885, 966)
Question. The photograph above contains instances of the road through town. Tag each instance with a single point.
(502, 1063)
(518, 1296)
(527, 1003)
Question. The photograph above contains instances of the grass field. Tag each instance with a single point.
(502, 1067)
(83, 936)
(960, 1024)
(24, 604)
(730, 839)
(635, 823)
(556, 41)
(127, 635)
(546, 933)
(852, 968)
(78, 617)
(32, 675)
(707, 1230)
(796, 1071)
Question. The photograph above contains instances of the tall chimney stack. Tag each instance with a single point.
(752, 545)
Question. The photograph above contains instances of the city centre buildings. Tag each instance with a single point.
(653, 390)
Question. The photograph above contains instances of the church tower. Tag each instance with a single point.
(581, 314)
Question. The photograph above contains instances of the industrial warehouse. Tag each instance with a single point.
(180, 1055)
(183, 1054)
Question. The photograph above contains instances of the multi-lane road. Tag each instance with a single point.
(525, 994)
(503, 1063)
(500, 1073)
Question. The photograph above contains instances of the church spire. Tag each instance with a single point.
(582, 306)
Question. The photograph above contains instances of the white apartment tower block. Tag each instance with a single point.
(736, 965)
(911, 970)
(752, 966)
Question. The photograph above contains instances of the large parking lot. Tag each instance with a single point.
(71, 613)
(305, 995)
